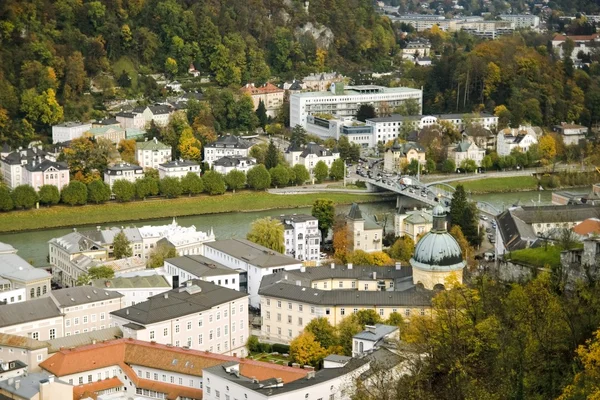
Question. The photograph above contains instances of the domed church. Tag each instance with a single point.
(437, 255)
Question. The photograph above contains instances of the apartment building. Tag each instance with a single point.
(366, 234)
(178, 169)
(309, 155)
(135, 287)
(572, 134)
(373, 336)
(343, 101)
(269, 94)
(19, 280)
(34, 167)
(465, 150)
(515, 138)
(38, 319)
(199, 315)
(225, 165)
(522, 21)
(254, 260)
(412, 223)
(400, 155)
(189, 267)
(68, 131)
(226, 146)
(123, 171)
(111, 132)
(152, 153)
(302, 237)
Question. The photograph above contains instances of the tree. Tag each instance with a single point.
(458, 205)
(272, 156)
(49, 195)
(42, 108)
(189, 147)
(365, 112)
(170, 187)
(449, 166)
(146, 186)
(301, 174)
(24, 196)
(235, 180)
(323, 332)
(547, 146)
(75, 193)
(192, 184)
(586, 382)
(347, 328)
(323, 210)
(171, 67)
(267, 232)
(298, 136)
(127, 149)
(487, 162)
(280, 175)
(213, 183)
(367, 317)
(381, 258)
(337, 169)
(321, 171)
(121, 246)
(341, 239)
(305, 350)
(98, 192)
(258, 177)
(123, 190)
(261, 114)
(395, 319)
(468, 165)
(360, 257)
(402, 249)
(99, 272)
(463, 243)
(6, 201)
(159, 255)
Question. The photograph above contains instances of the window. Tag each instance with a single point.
(176, 328)
(324, 285)
(289, 306)
(289, 332)
(93, 317)
(355, 310)
(226, 330)
(278, 303)
(342, 311)
(278, 317)
(166, 332)
(353, 285)
(155, 376)
(268, 302)
(422, 311)
(67, 323)
(233, 327)
(210, 335)
(407, 312)
(340, 284)
(81, 380)
(279, 331)
(366, 286)
(312, 310)
(102, 316)
(52, 333)
(200, 339)
(151, 334)
(35, 335)
(85, 319)
(189, 325)
(218, 315)
(381, 312)
(89, 378)
(300, 307)
(164, 377)
(200, 322)
(76, 321)
(289, 319)
(218, 332)
(210, 318)
(327, 311)
(268, 316)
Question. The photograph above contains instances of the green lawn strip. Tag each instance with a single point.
(537, 257)
(64, 216)
(499, 185)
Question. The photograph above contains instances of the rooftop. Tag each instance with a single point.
(376, 332)
(233, 161)
(28, 311)
(29, 385)
(82, 339)
(78, 295)
(197, 296)
(132, 282)
(122, 167)
(252, 253)
(231, 141)
(14, 267)
(152, 145)
(179, 163)
(44, 165)
(200, 266)
(356, 91)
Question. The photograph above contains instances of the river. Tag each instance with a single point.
(33, 247)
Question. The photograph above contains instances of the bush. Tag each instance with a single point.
(550, 182)
(253, 344)
(24, 196)
(281, 348)
(75, 193)
(170, 187)
(49, 195)
(213, 183)
(124, 190)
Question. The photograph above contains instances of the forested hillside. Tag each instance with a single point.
(50, 49)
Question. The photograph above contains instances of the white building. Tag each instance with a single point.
(136, 287)
(226, 146)
(159, 114)
(38, 319)
(178, 169)
(199, 315)
(10, 296)
(572, 134)
(465, 150)
(152, 153)
(321, 82)
(416, 49)
(227, 164)
(583, 43)
(34, 167)
(389, 128)
(515, 138)
(123, 171)
(302, 237)
(185, 268)
(255, 260)
(373, 335)
(68, 131)
(17, 275)
(40, 172)
(343, 102)
(310, 155)
(522, 21)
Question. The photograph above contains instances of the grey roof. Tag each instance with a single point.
(76, 242)
(355, 213)
(122, 167)
(419, 217)
(179, 163)
(380, 331)
(176, 303)
(84, 339)
(233, 161)
(107, 121)
(463, 146)
(107, 235)
(13, 266)
(337, 358)
(297, 218)
(413, 297)
(200, 266)
(252, 253)
(28, 311)
(315, 149)
(406, 147)
(13, 365)
(45, 165)
(29, 385)
(230, 141)
(130, 282)
(545, 214)
(17, 157)
(78, 295)
(71, 124)
(397, 118)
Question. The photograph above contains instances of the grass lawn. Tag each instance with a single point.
(268, 357)
(64, 216)
(499, 185)
(538, 257)
(340, 185)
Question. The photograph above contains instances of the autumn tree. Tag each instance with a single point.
(189, 147)
(341, 239)
(306, 350)
(159, 255)
(127, 148)
(586, 382)
(347, 328)
(547, 146)
(402, 249)
(267, 232)
(323, 331)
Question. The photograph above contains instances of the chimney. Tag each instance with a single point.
(166, 295)
(370, 328)
(298, 283)
(349, 265)
(98, 228)
(155, 140)
(374, 275)
(93, 341)
(127, 312)
(107, 283)
(17, 384)
(188, 284)
(303, 269)
(332, 265)
(398, 265)
(285, 276)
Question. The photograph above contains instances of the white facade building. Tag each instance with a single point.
(185, 268)
(465, 150)
(136, 287)
(34, 167)
(227, 164)
(302, 237)
(10, 296)
(515, 138)
(522, 21)
(310, 155)
(199, 315)
(152, 153)
(255, 260)
(38, 173)
(572, 134)
(178, 169)
(373, 335)
(38, 319)
(68, 131)
(226, 146)
(341, 102)
(123, 171)
(17, 274)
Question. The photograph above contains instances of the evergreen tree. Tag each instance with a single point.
(365, 112)
(272, 156)
(298, 136)
(261, 115)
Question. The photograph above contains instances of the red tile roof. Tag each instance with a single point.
(590, 225)
(559, 37)
(85, 391)
(266, 88)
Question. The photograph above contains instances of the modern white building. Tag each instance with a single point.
(227, 164)
(310, 155)
(255, 260)
(136, 287)
(178, 169)
(465, 150)
(10, 296)
(68, 131)
(515, 138)
(522, 21)
(302, 237)
(226, 146)
(152, 153)
(123, 171)
(185, 268)
(199, 315)
(343, 102)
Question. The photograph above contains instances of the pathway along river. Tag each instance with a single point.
(32, 246)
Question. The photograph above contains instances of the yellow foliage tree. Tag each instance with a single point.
(189, 147)
(380, 258)
(586, 384)
(305, 350)
(547, 148)
(341, 240)
(127, 150)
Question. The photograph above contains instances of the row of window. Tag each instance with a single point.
(84, 319)
(211, 332)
